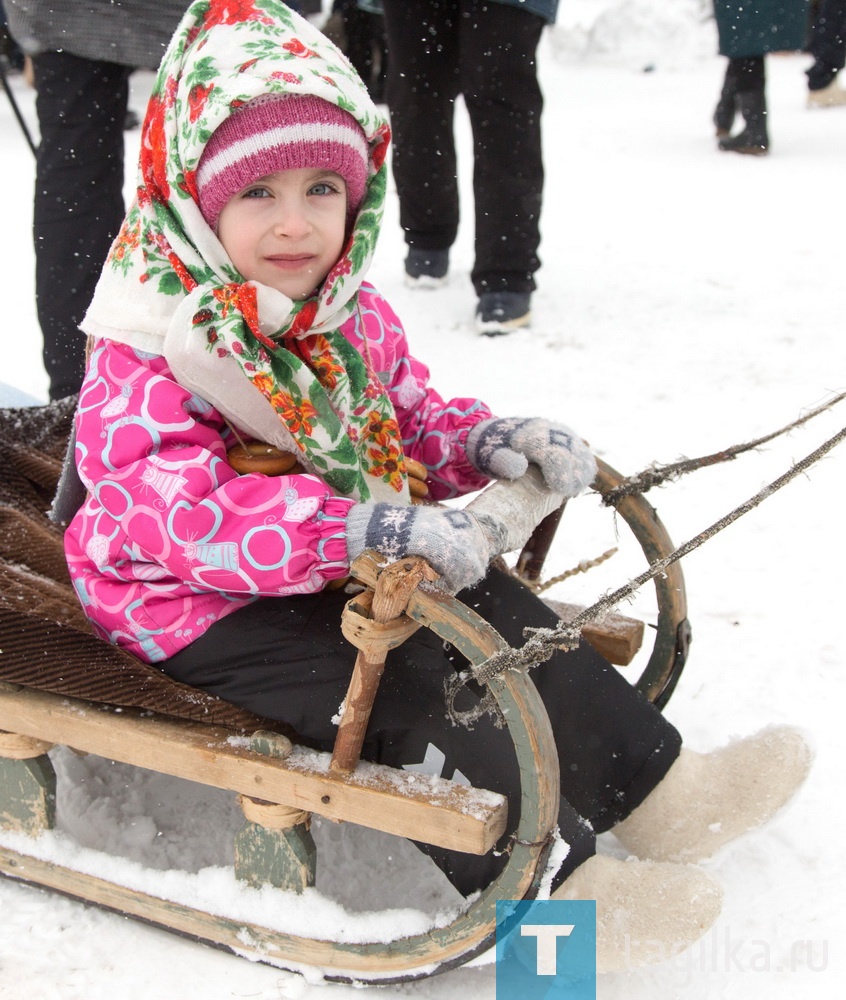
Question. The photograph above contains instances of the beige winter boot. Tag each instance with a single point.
(707, 800)
(646, 912)
(832, 96)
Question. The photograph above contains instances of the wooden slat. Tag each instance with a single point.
(435, 811)
(616, 637)
(403, 958)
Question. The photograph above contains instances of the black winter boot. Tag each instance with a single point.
(727, 105)
(754, 139)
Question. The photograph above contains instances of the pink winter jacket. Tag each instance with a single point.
(171, 538)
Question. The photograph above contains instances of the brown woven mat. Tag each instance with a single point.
(45, 640)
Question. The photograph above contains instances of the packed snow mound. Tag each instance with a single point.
(642, 34)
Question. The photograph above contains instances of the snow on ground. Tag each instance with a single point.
(689, 300)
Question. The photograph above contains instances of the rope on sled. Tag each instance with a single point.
(542, 643)
(582, 567)
(657, 475)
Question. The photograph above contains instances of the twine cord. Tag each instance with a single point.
(657, 475)
(542, 643)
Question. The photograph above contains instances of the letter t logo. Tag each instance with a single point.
(547, 935)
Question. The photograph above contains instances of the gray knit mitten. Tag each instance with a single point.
(502, 448)
(453, 542)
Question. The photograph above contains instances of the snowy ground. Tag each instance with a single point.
(689, 300)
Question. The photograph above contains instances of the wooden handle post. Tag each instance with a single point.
(375, 625)
(531, 559)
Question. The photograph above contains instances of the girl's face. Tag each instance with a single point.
(286, 230)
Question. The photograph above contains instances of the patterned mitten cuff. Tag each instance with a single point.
(503, 447)
(451, 541)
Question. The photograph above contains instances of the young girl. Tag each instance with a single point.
(233, 308)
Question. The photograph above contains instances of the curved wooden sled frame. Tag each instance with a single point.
(206, 754)
(673, 634)
(663, 669)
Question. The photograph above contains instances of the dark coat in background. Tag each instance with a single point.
(754, 27)
(547, 9)
(131, 33)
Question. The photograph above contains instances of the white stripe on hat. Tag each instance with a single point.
(323, 133)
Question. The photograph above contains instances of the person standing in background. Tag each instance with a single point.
(82, 52)
(357, 27)
(9, 48)
(486, 51)
(828, 47)
(746, 33)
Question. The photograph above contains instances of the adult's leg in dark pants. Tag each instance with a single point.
(422, 86)
(726, 110)
(78, 208)
(750, 73)
(504, 102)
(828, 43)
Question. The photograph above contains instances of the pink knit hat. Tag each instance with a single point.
(281, 132)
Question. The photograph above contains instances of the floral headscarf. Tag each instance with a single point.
(168, 286)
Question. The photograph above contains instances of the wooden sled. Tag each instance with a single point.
(279, 783)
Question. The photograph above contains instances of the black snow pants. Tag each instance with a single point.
(285, 658)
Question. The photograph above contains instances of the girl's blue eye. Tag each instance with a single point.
(256, 193)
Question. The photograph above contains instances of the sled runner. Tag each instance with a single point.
(60, 685)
